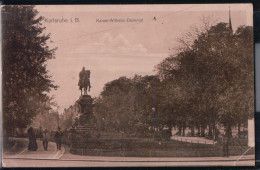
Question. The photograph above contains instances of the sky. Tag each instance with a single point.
(114, 49)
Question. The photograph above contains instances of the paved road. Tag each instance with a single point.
(63, 158)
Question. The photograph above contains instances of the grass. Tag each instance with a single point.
(146, 147)
(8, 145)
(14, 146)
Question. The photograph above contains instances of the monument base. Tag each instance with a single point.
(85, 108)
(87, 126)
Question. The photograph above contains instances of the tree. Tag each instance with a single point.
(215, 76)
(127, 105)
(26, 80)
(209, 81)
(112, 108)
(46, 120)
(147, 97)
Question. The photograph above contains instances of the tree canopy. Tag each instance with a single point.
(216, 73)
(208, 82)
(26, 81)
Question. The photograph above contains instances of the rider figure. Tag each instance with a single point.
(81, 77)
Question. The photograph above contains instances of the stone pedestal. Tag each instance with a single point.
(85, 103)
(87, 127)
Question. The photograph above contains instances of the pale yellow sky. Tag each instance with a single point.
(115, 49)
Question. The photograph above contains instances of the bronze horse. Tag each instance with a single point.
(84, 84)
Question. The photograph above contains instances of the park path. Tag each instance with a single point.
(52, 152)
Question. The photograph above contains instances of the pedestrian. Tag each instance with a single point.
(58, 137)
(30, 136)
(45, 139)
(32, 140)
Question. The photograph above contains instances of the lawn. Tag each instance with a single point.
(13, 146)
(146, 147)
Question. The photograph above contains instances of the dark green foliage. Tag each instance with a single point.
(215, 77)
(126, 105)
(207, 83)
(26, 81)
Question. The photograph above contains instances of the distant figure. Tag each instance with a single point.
(58, 137)
(32, 146)
(45, 139)
(226, 141)
(225, 146)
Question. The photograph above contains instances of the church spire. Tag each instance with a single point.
(230, 24)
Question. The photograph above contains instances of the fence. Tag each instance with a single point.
(193, 140)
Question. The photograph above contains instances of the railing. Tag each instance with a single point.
(178, 138)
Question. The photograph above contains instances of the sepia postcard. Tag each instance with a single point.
(127, 85)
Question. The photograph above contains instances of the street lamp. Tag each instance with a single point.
(58, 120)
(40, 128)
(154, 121)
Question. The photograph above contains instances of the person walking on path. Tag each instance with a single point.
(30, 136)
(58, 137)
(34, 138)
(45, 139)
(32, 146)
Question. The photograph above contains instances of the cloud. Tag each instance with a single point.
(108, 44)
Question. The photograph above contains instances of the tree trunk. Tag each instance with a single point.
(183, 128)
(210, 131)
(203, 131)
(198, 130)
(213, 131)
(192, 130)
(170, 129)
(180, 129)
(239, 125)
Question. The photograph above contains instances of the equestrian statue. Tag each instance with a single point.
(84, 82)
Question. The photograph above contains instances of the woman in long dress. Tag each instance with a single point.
(32, 146)
(30, 136)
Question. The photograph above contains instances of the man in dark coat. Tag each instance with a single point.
(58, 137)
